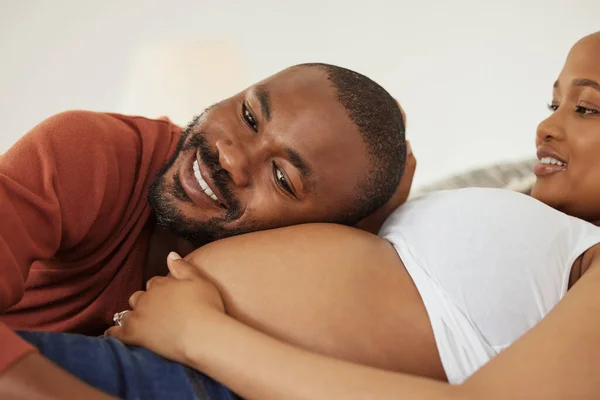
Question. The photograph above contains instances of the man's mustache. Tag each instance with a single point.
(221, 178)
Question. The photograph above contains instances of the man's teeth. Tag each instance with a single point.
(203, 183)
(552, 161)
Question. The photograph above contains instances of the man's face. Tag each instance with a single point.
(280, 153)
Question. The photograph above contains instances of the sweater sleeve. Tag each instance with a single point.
(53, 184)
(12, 347)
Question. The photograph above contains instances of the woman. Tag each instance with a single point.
(560, 350)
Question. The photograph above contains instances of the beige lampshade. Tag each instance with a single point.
(181, 80)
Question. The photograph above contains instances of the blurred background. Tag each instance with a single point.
(473, 76)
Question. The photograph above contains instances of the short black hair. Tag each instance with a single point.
(381, 124)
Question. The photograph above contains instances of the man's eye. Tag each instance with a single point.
(248, 118)
(281, 179)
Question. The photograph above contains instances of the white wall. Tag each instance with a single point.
(473, 76)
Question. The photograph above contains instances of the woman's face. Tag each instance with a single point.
(568, 141)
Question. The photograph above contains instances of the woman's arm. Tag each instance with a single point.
(374, 222)
(259, 367)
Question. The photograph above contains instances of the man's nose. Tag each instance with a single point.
(234, 158)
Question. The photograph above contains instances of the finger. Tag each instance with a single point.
(411, 164)
(117, 331)
(407, 179)
(179, 268)
(123, 331)
(122, 334)
(156, 281)
(126, 318)
(411, 161)
(114, 331)
(152, 281)
(135, 298)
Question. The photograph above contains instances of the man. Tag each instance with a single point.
(91, 203)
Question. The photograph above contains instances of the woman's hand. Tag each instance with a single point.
(170, 312)
(373, 222)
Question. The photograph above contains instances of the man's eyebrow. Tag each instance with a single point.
(555, 86)
(587, 82)
(305, 169)
(264, 99)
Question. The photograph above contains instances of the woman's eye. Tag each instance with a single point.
(248, 118)
(552, 107)
(585, 111)
(281, 179)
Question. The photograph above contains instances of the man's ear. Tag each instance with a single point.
(373, 222)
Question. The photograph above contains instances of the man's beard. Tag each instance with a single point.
(165, 208)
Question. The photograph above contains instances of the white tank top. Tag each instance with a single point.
(489, 265)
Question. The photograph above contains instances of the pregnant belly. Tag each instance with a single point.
(336, 291)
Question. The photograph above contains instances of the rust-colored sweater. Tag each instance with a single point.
(75, 223)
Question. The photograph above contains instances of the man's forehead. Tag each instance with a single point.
(296, 81)
(302, 98)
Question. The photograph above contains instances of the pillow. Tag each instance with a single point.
(516, 176)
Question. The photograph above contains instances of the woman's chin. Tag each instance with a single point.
(548, 194)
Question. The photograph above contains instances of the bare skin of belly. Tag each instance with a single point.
(329, 289)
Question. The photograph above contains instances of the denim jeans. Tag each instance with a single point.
(127, 372)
